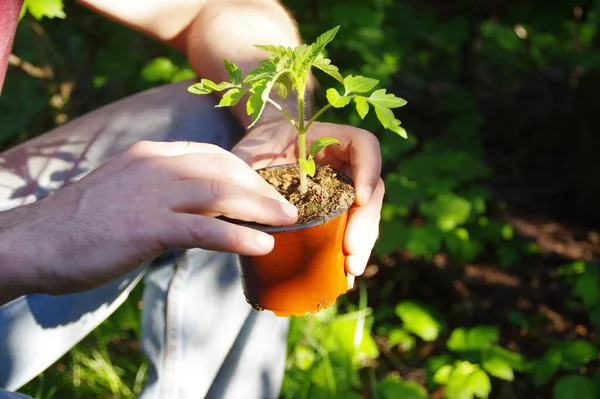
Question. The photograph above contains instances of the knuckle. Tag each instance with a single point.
(217, 190)
(141, 148)
(198, 229)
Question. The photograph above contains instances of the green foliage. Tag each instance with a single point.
(44, 8)
(288, 70)
(419, 319)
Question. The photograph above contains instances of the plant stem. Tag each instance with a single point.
(302, 142)
(316, 116)
(287, 115)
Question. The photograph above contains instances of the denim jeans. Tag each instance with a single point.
(201, 337)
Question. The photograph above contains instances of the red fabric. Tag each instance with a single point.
(9, 18)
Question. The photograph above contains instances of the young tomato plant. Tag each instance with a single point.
(287, 71)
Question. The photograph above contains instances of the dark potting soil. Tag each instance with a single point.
(327, 193)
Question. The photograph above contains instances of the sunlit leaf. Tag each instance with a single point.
(231, 97)
(419, 320)
(326, 38)
(388, 100)
(159, 69)
(235, 73)
(337, 101)
(284, 85)
(479, 384)
(308, 165)
(324, 64)
(321, 143)
(45, 8)
(497, 366)
(362, 106)
(401, 338)
(256, 102)
(360, 84)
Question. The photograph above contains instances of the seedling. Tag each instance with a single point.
(288, 70)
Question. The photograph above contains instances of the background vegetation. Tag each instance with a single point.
(485, 281)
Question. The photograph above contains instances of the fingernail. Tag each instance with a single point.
(289, 209)
(265, 241)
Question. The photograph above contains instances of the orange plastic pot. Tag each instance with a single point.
(305, 271)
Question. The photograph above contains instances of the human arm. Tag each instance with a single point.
(151, 197)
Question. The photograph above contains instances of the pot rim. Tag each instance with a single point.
(295, 227)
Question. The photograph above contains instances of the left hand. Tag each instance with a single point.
(358, 156)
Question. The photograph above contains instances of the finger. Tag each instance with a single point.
(215, 197)
(183, 230)
(362, 231)
(223, 166)
(174, 148)
(361, 150)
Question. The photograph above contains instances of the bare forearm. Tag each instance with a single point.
(208, 31)
(16, 275)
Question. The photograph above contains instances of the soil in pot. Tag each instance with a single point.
(305, 271)
(328, 191)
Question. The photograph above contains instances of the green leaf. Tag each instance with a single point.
(207, 86)
(401, 338)
(235, 73)
(577, 353)
(497, 366)
(475, 339)
(326, 38)
(442, 375)
(324, 64)
(304, 357)
(479, 383)
(359, 84)
(392, 387)
(232, 97)
(256, 102)
(458, 385)
(386, 100)
(419, 320)
(308, 166)
(278, 51)
(159, 69)
(284, 85)
(544, 368)
(266, 69)
(587, 289)
(45, 8)
(362, 106)
(337, 101)
(574, 386)
(447, 210)
(321, 143)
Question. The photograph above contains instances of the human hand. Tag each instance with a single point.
(151, 197)
(358, 156)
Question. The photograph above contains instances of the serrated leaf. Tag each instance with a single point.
(321, 143)
(419, 320)
(324, 64)
(326, 38)
(266, 69)
(359, 84)
(46, 8)
(256, 102)
(336, 100)
(284, 85)
(497, 366)
(273, 50)
(235, 73)
(308, 166)
(386, 100)
(231, 98)
(362, 106)
(385, 115)
(575, 386)
(207, 86)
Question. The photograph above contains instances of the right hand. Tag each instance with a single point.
(151, 197)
